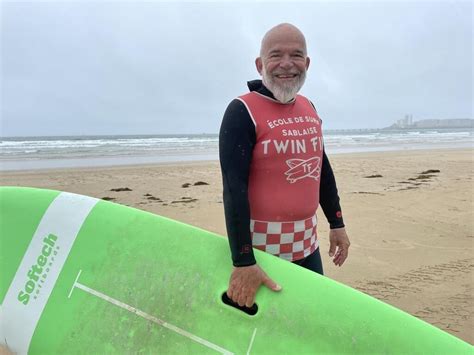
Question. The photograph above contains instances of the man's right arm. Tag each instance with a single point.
(236, 141)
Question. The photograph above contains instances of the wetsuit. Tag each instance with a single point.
(239, 139)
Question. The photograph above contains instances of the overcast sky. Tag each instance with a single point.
(84, 68)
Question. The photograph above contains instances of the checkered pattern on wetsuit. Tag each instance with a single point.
(288, 240)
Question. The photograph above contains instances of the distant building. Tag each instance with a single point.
(405, 122)
(446, 123)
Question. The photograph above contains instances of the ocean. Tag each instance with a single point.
(24, 153)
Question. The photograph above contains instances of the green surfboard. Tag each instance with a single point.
(82, 275)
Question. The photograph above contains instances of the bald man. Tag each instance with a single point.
(275, 171)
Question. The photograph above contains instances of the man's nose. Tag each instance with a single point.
(286, 62)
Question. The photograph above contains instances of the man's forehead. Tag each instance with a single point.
(285, 46)
(278, 46)
(283, 37)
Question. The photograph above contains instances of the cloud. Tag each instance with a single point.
(151, 67)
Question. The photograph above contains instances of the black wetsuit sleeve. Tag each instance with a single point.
(236, 141)
(328, 196)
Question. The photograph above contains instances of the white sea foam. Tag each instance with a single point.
(46, 152)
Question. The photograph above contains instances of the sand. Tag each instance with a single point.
(411, 232)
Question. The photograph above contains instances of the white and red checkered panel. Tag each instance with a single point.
(288, 240)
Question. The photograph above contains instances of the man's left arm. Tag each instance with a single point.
(329, 201)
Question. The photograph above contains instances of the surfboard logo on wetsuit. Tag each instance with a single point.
(300, 169)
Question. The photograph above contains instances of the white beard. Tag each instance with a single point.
(283, 93)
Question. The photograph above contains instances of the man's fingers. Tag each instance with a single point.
(338, 240)
(242, 300)
(244, 283)
(235, 296)
(344, 256)
(247, 298)
(332, 248)
(272, 285)
(341, 256)
(336, 254)
(250, 301)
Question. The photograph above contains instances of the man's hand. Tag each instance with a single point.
(244, 283)
(338, 245)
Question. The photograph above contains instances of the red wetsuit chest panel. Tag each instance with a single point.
(284, 175)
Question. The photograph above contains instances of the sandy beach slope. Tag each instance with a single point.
(411, 230)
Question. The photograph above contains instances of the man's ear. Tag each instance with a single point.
(259, 65)
(307, 62)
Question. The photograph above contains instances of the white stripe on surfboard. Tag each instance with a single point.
(251, 341)
(40, 267)
(147, 316)
(74, 284)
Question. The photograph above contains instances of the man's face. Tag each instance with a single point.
(283, 64)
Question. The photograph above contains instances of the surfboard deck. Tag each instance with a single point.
(81, 275)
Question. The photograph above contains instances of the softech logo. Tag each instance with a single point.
(38, 272)
(300, 169)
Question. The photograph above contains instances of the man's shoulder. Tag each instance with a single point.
(305, 99)
(237, 115)
(236, 102)
(245, 95)
(236, 107)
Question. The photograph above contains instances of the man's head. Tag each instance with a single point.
(283, 61)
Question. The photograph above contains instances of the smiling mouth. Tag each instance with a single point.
(286, 76)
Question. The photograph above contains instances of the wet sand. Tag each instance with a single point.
(411, 228)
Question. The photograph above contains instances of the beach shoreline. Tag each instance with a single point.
(140, 161)
(30, 153)
(411, 230)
